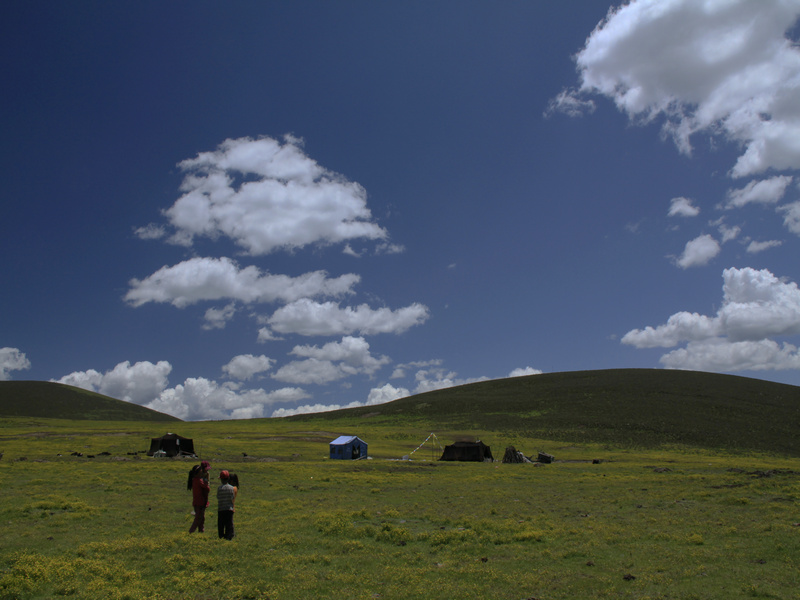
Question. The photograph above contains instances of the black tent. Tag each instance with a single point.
(467, 451)
(172, 444)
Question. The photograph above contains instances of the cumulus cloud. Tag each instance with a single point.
(266, 195)
(728, 233)
(679, 327)
(701, 66)
(376, 396)
(307, 317)
(522, 372)
(682, 207)
(756, 307)
(12, 359)
(765, 191)
(386, 393)
(217, 318)
(139, 383)
(245, 366)
(698, 252)
(331, 362)
(201, 279)
(439, 379)
(199, 399)
(722, 355)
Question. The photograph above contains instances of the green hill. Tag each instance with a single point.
(623, 407)
(58, 401)
(635, 407)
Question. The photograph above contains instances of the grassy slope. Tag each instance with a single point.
(623, 407)
(644, 523)
(633, 407)
(57, 401)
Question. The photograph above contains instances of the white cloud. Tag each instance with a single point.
(202, 399)
(266, 195)
(12, 359)
(678, 328)
(400, 370)
(386, 393)
(703, 65)
(698, 252)
(307, 317)
(306, 409)
(265, 335)
(376, 396)
(151, 232)
(722, 355)
(217, 318)
(765, 191)
(244, 366)
(389, 248)
(756, 306)
(682, 207)
(331, 362)
(570, 103)
(310, 371)
(756, 247)
(145, 383)
(522, 372)
(439, 379)
(791, 216)
(729, 233)
(139, 383)
(201, 279)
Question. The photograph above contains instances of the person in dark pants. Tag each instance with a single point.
(200, 489)
(226, 495)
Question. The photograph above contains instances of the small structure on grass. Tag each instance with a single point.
(513, 455)
(546, 458)
(468, 451)
(348, 447)
(171, 444)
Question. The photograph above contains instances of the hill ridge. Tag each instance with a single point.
(638, 407)
(49, 399)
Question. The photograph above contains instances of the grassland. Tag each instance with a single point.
(660, 520)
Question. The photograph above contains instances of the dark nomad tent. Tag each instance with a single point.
(171, 444)
(467, 451)
(348, 447)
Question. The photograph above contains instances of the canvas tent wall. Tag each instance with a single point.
(348, 447)
(467, 451)
(172, 444)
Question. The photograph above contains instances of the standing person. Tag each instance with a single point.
(200, 490)
(226, 494)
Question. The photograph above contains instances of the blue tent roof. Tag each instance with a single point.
(344, 439)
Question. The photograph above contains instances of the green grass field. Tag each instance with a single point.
(661, 520)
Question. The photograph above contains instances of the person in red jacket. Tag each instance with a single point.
(200, 489)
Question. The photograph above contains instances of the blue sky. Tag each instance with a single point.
(266, 208)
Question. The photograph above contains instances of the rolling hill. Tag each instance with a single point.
(619, 407)
(634, 407)
(45, 399)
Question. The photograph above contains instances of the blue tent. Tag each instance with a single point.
(348, 447)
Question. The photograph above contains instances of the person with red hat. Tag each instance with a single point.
(200, 490)
(226, 495)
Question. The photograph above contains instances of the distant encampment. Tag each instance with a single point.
(171, 444)
(467, 451)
